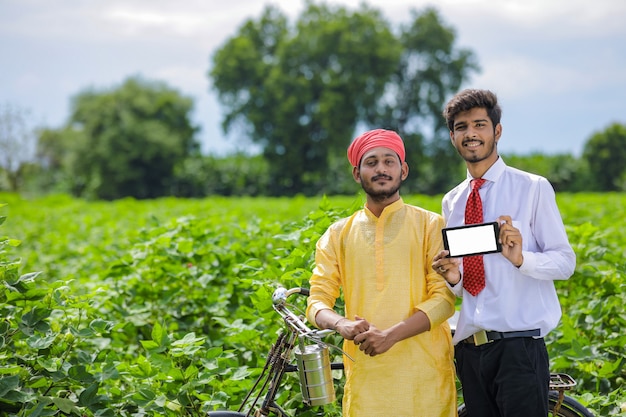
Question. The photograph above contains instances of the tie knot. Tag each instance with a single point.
(476, 183)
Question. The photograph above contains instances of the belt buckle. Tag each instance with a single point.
(480, 338)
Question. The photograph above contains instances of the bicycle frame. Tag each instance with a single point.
(279, 359)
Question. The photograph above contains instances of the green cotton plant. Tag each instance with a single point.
(163, 307)
(117, 337)
(40, 369)
(251, 331)
(589, 341)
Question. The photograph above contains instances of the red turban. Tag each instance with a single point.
(374, 139)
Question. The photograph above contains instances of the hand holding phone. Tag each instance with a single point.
(472, 239)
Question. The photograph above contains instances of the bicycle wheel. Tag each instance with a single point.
(569, 408)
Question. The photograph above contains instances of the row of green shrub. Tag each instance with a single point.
(162, 307)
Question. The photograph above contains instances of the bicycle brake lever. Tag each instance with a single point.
(316, 336)
(279, 297)
(324, 332)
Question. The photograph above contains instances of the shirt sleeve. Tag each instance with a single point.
(325, 281)
(554, 258)
(457, 289)
(439, 304)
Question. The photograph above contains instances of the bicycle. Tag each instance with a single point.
(291, 353)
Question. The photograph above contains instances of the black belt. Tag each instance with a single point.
(483, 336)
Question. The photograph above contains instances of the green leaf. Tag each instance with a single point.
(185, 246)
(240, 374)
(80, 373)
(8, 383)
(159, 336)
(36, 315)
(89, 395)
(101, 326)
(143, 396)
(66, 405)
(149, 344)
(41, 342)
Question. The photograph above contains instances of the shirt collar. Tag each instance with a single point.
(494, 172)
(391, 208)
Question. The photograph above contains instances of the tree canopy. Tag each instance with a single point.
(300, 91)
(123, 142)
(431, 69)
(605, 152)
(17, 143)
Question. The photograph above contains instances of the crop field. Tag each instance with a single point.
(162, 307)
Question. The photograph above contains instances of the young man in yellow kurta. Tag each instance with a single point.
(396, 306)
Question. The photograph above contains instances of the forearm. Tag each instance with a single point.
(414, 325)
(328, 319)
(374, 341)
(347, 328)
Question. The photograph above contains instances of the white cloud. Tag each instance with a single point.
(188, 78)
(526, 48)
(518, 76)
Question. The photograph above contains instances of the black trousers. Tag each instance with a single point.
(504, 378)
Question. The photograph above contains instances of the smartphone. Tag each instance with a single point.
(472, 239)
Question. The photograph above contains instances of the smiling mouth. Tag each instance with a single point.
(381, 177)
(472, 144)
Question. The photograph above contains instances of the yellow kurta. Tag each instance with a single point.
(383, 267)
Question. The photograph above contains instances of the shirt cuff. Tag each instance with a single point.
(457, 289)
(313, 309)
(529, 263)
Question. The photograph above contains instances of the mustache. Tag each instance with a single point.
(471, 140)
(382, 176)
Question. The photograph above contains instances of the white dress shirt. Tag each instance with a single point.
(515, 299)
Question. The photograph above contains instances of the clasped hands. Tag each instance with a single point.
(370, 340)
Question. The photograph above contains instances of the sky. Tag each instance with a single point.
(557, 66)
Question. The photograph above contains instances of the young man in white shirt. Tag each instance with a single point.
(500, 353)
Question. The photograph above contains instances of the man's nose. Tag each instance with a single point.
(381, 168)
(470, 133)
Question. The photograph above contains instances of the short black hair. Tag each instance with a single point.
(469, 99)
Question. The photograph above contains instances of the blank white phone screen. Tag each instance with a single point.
(471, 240)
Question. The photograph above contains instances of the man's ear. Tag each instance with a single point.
(405, 170)
(356, 174)
(497, 132)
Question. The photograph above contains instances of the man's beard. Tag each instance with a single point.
(380, 195)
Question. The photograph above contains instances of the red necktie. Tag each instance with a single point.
(473, 268)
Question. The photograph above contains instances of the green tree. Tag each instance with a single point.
(232, 175)
(127, 141)
(565, 172)
(431, 69)
(17, 143)
(57, 155)
(299, 92)
(605, 152)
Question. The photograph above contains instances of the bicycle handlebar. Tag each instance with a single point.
(280, 295)
(279, 299)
